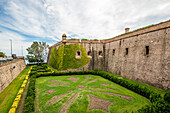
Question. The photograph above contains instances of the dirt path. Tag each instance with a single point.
(67, 104)
(58, 85)
(92, 81)
(74, 79)
(98, 103)
(57, 98)
(104, 84)
(60, 82)
(87, 77)
(121, 96)
(103, 88)
(50, 91)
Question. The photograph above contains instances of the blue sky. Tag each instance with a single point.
(25, 21)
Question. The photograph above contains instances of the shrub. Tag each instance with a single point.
(84, 39)
(167, 97)
(95, 39)
(73, 39)
(29, 101)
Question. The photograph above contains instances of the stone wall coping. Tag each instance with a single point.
(57, 44)
(18, 60)
(84, 41)
(94, 41)
(151, 28)
(73, 40)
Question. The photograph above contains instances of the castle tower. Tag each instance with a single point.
(64, 38)
(127, 30)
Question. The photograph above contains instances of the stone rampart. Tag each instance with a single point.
(8, 73)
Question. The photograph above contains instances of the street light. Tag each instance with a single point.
(22, 50)
(11, 46)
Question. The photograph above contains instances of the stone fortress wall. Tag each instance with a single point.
(8, 73)
(142, 55)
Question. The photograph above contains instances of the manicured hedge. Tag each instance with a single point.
(159, 105)
(30, 98)
(167, 97)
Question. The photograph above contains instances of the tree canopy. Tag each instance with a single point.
(2, 54)
(37, 52)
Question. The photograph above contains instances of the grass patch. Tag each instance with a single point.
(9, 93)
(81, 102)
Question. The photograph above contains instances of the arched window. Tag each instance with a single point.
(89, 53)
(78, 54)
(100, 53)
(113, 51)
(127, 51)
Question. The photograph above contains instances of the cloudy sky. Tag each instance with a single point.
(25, 21)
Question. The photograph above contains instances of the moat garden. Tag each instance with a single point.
(42, 89)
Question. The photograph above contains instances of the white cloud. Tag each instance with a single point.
(90, 19)
(17, 42)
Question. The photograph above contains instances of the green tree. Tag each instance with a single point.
(2, 54)
(37, 52)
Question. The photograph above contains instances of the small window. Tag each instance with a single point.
(78, 54)
(100, 53)
(89, 53)
(147, 50)
(127, 51)
(113, 51)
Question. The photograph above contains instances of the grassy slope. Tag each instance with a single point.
(8, 95)
(80, 104)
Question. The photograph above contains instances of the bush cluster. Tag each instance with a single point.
(29, 100)
(159, 105)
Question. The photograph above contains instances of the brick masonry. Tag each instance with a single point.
(153, 69)
(7, 75)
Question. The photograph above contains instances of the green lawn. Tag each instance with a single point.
(8, 95)
(62, 92)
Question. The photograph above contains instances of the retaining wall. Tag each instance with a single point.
(7, 74)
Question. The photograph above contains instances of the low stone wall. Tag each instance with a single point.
(7, 74)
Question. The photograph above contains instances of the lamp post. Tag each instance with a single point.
(11, 46)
